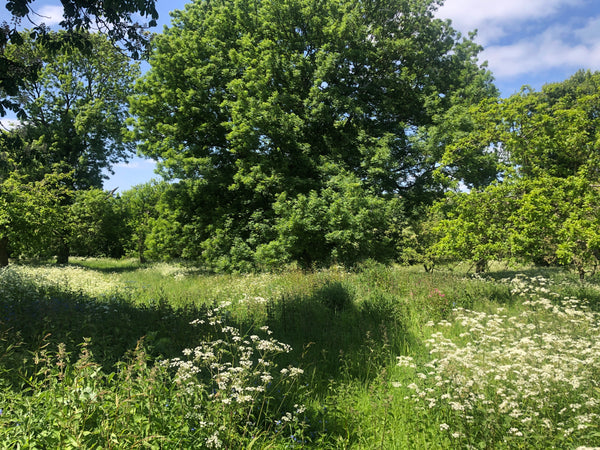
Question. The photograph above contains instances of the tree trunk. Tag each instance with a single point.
(4, 251)
(480, 266)
(63, 253)
(141, 251)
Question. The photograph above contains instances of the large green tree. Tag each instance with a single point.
(254, 99)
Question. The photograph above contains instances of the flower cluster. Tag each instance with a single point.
(531, 373)
(237, 372)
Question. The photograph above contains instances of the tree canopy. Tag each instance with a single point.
(545, 207)
(77, 107)
(259, 99)
(114, 19)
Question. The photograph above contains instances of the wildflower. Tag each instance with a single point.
(444, 426)
(214, 441)
(405, 361)
(295, 371)
(266, 377)
(515, 431)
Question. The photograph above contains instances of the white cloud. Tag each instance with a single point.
(50, 14)
(494, 18)
(555, 48)
(590, 33)
(137, 163)
(530, 41)
(8, 124)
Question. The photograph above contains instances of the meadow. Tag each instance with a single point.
(113, 354)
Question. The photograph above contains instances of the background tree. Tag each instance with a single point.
(258, 99)
(34, 218)
(98, 224)
(113, 19)
(341, 224)
(548, 195)
(554, 132)
(475, 226)
(77, 107)
(140, 207)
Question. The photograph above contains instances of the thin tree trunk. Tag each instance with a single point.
(480, 266)
(3, 251)
(141, 250)
(63, 252)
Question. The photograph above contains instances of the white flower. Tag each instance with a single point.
(214, 441)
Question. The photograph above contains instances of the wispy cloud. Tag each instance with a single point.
(137, 163)
(50, 14)
(531, 39)
(495, 19)
(543, 52)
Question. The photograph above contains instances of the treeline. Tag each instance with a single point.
(303, 132)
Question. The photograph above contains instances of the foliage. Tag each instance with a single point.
(114, 19)
(257, 106)
(77, 107)
(475, 226)
(342, 224)
(35, 216)
(552, 133)
(97, 223)
(545, 220)
(140, 207)
(542, 210)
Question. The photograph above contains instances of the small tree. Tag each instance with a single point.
(98, 224)
(140, 206)
(343, 223)
(476, 226)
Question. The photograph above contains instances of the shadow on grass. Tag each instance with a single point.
(330, 333)
(132, 267)
(336, 336)
(108, 266)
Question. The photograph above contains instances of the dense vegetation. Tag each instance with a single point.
(315, 158)
(114, 354)
(291, 138)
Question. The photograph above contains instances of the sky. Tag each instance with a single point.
(525, 42)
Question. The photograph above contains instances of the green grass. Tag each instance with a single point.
(114, 354)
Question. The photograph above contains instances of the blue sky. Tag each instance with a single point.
(529, 42)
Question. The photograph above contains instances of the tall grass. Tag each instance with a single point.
(113, 354)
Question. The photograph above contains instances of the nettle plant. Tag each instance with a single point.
(235, 390)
